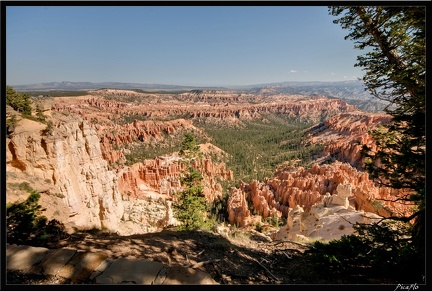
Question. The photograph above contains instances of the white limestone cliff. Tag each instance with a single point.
(330, 219)
(67, 165)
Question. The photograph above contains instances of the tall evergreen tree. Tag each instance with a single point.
(190, 204)
(189, 147)
(395, 66)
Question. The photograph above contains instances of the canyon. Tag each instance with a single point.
(87, 180)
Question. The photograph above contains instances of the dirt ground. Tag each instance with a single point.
(239, 258)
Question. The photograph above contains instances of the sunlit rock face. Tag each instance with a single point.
(322, 223)
(79, 167)
(338, 186)
(79, 189)
(161, 177)
(162, 112)
(68, 167)
(344, 134)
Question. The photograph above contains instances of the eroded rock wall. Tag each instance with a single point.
(78, 188)
(69, 161)
(161, 177)
(143, 131)
(291, 187)
(344, 134)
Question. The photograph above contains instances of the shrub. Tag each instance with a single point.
(48, 130)
(18, 101)
(11, 123)
(383, 249)
(26, 225)
(39, 114)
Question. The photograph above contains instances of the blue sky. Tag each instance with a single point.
(176, 45)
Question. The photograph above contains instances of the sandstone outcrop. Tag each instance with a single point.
(161, 176)
(78, 188)
(329, 184)
(322, 222)
(178, 111)
(69, 162)
(80, 170)
(218, 105)
(343, 135)
(149, 132)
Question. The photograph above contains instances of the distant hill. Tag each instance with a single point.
(353, 92)
(82, 86)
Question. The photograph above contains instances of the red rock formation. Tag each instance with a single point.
(82, 192)
(238, 212)
(344, 135)
(215, 106)
(72, 162)
(292, 187)
(161, 177)
(144, 131)
(346, 128)
(204, 104)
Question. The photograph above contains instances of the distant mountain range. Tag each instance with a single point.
(352, 92)
(82, 86)
(66, 85)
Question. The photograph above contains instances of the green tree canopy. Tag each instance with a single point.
(18, 101)
(190, 204)
(189, 147)
(395, 71)
(27, 225)
(395, 64)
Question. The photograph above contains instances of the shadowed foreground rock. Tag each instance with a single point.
(79, 267)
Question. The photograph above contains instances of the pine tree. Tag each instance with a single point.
(39, 114)
(189, 147)
(394, 66)
(25, 223)
(190, 206)
(18, 101)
